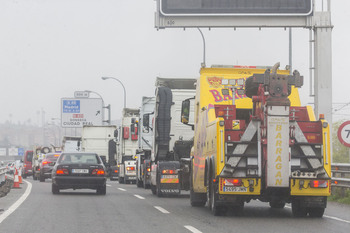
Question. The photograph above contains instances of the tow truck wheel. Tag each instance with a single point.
(316, 212)
(298, 210)
(42, 178)
(277, 204)
(196, 199)
(215, 208)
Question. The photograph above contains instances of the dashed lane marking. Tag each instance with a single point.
(108, 185)
(122, 189)
(139, 197)
(12, 208)
(164, 211)
(192, 229)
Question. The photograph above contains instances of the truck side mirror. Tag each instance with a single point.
(185, 111)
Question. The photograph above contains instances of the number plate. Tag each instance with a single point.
(234, 189)
(80, 171)
(169, 177)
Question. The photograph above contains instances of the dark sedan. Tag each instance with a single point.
(46, 165)
(79, 171)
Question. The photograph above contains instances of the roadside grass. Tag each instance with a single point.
(338, 197)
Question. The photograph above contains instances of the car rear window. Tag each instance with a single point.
(79, 158)
(29, 156)
(52, 157)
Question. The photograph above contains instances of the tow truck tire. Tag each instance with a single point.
(139, 183)
(42, 178)
(196, 199)
(159, 193)
(216, 209)
(316, 212)
(298, 210)
(277, 205)
(55, 189)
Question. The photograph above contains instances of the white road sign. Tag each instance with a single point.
(344, 133)
(75, 113)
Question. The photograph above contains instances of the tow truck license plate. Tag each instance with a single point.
(80, 171)
(234, 189)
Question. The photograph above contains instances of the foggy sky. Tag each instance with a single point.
(49, 49)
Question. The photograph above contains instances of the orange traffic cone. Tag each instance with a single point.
(20, 176)
(16, 181)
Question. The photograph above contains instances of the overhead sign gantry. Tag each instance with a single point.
(263, 14)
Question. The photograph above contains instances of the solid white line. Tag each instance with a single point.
(108, 185)
(192, 229)
(17, 203)
(122, 189)
(139, 197)
(164, 211)
(330, 217)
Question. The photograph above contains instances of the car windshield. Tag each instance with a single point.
(79, 158)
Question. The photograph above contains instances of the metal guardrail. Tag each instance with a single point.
(3, 171)
(341, 176)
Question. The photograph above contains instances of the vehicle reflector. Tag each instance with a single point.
(168, 171)
(98, 172)
(62, 171)
(319, 184)
(233, 182)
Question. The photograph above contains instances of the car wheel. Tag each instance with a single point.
(101, 190)
(24, 176)
(42, 178)
(55, 189)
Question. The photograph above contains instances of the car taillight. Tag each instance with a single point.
(148, 169)
(130, 168)
(319, 184)
(168, 171)
(62, 171)
(115, 171)
(233, 182)
(98, 172)
(45, 162)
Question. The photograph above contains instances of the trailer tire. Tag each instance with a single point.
(298, 210)
(316, 212)
(153, 188)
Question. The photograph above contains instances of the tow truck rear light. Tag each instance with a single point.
(115, 171)
(233, 182)
(62, 171)
(98, 172)
(168, 171)
(130, 168)
(319, 184)
(148, 169)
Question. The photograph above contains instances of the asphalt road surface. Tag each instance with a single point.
(126, 208)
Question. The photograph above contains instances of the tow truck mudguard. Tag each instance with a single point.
(311, 201)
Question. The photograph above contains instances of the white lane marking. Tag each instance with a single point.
(122, 189)
(192, 229)
(164, 211)
(139, 197)
(12, 208)
(335, 218)
(330, 217)
(108, 185)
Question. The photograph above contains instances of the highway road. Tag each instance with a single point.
(126, 208)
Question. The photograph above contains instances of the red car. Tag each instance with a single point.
(27, 164)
